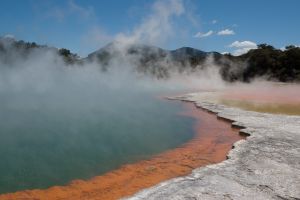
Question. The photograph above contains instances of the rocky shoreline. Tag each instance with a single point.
(264, 166)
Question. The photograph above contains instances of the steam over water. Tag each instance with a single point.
(62, 122)
(58, 123)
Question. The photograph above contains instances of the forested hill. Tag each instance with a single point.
(12, 50)
(282, 65)
(266, 61)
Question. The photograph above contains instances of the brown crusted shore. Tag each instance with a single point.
(212, 141)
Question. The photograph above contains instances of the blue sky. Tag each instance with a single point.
(212, 25)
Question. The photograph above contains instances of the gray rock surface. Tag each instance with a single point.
(264, 166)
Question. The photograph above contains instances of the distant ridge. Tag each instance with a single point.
(265, 61)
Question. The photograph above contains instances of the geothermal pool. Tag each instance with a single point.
(44, 144)
(276, 98)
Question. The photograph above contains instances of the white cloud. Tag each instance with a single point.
(226, 32)
(243, 44)
(241, 51)
(202, 35)
(242, 47)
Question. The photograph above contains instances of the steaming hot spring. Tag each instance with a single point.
(149, 100)
(73, 129)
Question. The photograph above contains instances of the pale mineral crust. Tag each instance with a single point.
(264, 166)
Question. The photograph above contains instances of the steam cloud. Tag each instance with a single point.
(43, 70)
(44, 75)
(157, 27)
(40, 83)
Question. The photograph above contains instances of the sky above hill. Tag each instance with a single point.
(210, 25)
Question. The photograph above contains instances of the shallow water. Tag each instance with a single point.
(44, 144)
(275, 108)
(269, 97)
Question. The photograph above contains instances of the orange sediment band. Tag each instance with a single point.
(211, 143)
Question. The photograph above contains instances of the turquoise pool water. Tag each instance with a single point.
(50, 138)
